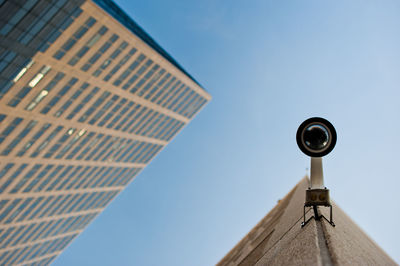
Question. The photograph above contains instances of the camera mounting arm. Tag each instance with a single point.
(317, 174)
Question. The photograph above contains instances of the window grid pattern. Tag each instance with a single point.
(120, 64)
(78, 34)
(106, 63)
(104, 48)
(107, 140)
(27, 88)
(89, 44)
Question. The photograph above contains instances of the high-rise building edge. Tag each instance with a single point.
(87, 99)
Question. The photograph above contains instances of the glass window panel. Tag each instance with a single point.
(128, 116)
(72, 99)
(13, 177)
(4, 235)
(119, 115)
(90, 146)
(75, 139)
(100, 145)
(73, 207)
(174, 131)
(36, 212)
(146, 77)
(166, 129)
(110, 114)
(156, 87)
(172, 95)
(17, 17)
(59, 95)
(43, 93)
(61, 26)
(108, 61)
(83, 103)
(80, 145)
(103, 109)
(129, 70)
(120, 64)
(152, 154)
(135, 76)
(120, 149)
(22, 235)
(92, 41)
(17, 211)
(59, 178)
(5, 170)
(69, 178)
(81, 175)
(99, 53)
(10, 128)
(9, 208)
(164, 89)
(94, 106)
(167, 93)
(64, 200)
(135, 118)
(148, 124)
(53, 204)
(128, 150)
(27, 176)
(169, 130)
(197, 108)
(107, 147)
(74, 38)
(39, 177)
(34, 139)
(139, 153)
(22, 72)
(189, 103)
(181, 97)
(164, 122)
(149, 84)
(32, 83)
(49, 178)
(85, 178)
(30, 209)
(46, 141)
(94, 177)
(112, 177)
(19, 138)
(116, 146)
(143, 120)
(40, 22)
(134, 152)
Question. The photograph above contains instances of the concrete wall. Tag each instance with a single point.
(278, 238)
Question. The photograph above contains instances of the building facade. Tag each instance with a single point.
(87, 99)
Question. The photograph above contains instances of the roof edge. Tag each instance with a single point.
(121, 16)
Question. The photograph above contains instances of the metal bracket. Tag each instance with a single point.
(317, 216)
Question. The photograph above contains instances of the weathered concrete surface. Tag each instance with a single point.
(349, 245)
(278, 238)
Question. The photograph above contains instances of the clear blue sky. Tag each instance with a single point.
(269, 65)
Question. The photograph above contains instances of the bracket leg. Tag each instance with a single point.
(317, 216)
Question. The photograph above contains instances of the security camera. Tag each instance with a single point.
(316, 137)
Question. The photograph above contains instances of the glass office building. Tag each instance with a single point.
(87, 99)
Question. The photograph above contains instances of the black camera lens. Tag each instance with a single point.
(316, 137)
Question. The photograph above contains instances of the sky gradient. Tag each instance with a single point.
(268, 65)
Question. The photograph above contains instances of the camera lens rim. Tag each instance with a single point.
(321, 122)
